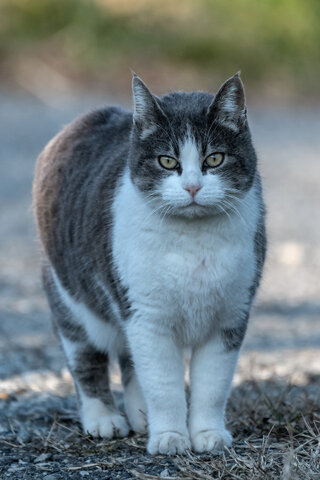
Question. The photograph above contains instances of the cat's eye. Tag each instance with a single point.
(214, 160)
(168, 162)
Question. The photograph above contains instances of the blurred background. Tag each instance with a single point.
(60, 58)
(66, 45)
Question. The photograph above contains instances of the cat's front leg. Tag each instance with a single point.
(160, 371)
(211, 372)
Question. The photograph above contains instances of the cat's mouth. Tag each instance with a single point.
(193, 203)
(196, 209)
(190, 205)
(193, 209)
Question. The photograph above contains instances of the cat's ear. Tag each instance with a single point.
(229, 105)
(147, 113)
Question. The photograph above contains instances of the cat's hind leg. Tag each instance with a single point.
(89, 365)
(90, 369)
(134, 402)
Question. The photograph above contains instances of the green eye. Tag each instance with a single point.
(214, 160)
(168, 162)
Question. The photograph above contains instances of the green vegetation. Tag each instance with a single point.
(266, 39)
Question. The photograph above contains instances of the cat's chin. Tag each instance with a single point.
(195, 210)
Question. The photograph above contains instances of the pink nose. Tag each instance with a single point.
(192, 189)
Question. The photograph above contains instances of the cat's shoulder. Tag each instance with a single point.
(106, 117)
(83, 139)
(90, 129)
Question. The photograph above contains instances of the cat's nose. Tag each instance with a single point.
(192, 189)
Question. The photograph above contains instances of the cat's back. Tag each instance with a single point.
(85, 157)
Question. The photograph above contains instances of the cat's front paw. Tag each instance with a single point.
(168, 443)
(211, 440)
(106, 426)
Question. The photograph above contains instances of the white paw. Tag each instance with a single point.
(211, 440)
(135, 407)
(168, 443)
(106, 426)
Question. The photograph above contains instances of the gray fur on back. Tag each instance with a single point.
(75, 181)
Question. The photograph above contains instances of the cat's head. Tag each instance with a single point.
(191, 153)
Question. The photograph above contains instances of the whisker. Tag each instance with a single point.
(158, 208)
(233, 208)
(223, 210)
(166, 211)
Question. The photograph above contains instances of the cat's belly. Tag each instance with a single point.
(195, 294)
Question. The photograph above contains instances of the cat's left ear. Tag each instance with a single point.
(229, 105)
(147, 113)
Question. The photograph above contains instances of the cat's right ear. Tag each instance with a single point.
(229, 105)
(147, 113)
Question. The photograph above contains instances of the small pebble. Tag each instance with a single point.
(164, 473)
(52, 476)
(14, 467)
(43, 457)
(3, 428)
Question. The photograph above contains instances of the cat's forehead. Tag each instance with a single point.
(187, 114)
(189, 102)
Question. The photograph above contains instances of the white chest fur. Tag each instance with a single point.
(189, 273)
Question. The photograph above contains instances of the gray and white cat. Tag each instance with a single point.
(152, 228)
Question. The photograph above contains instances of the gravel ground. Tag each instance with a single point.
(274, 408)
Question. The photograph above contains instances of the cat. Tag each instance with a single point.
(153, 238)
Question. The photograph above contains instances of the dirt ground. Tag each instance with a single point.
(274, 411)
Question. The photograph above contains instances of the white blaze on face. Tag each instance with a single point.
(210, 187)
(190, 162)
